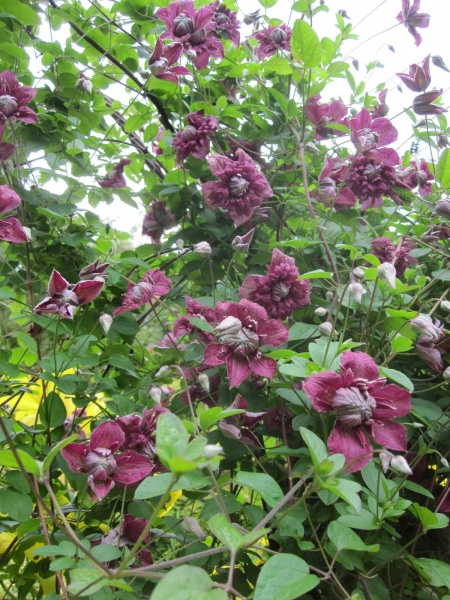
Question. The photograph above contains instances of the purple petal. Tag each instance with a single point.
(385, 130)
(203, 17)
(12, 231)
(390, 434)
(172, 52)
(26, 115)
(392, 402)
(263, 366)
(74, 455)
(100, 488)
(273, 333)
(9, 200)
(255, 312)
(131, 467)
(238, 369)
(57, 284)
(216, 354)
(361, 364)
(353, 444)
(6, 149)
(107, 435)
(87, 290)
(321, 388)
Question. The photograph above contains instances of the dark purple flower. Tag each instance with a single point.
(140, 433)
(225, 22)
(435, 234)
(183, 326)
(382, 109)
(195, 138)
(332, 190)
(13, 101)
(411, 18)
(388, 252)
(364, 407)
(63, 298)
(324, 116)
(420, 175)
(279, 292)
(273, 39)
(423, 104)
(239, 427)
(241, 187)
(419, 77)
(10, 228)
(243, 328)
(162, 60)
(115, 178)
(95, 271)
(99, 459)
(72, 423)
(370, 135)
(6, 150)
(430, 347)
(193, 28)
(127, 534)
(157, 221)
(154, 284)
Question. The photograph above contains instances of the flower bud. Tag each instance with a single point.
(84, 85)
(211, 451)
(439, 62)
(321, 311)
(385, 459)
(179, 244)
(442, 208)
(203, 380)
(400, 465)
(326, 328)
(241, 244)
(229, 326)
(387, 272)
(182, 25)
(27, 231)
(202, 248)
(446, 374)
(163, 372)
(355, 63)
(423, 324)
(356, 291)
(445, 305)
(191, 525)
(444, 462)
(105, 322)
(312, 148)
(156, 395)
(442, 141)
(359, 273)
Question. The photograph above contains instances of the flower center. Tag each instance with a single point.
(100, 463)
(159, 66)
(189, 133)
(242, 340)
(8, 105)
(221, 18)
(142, 292)
(366, 140)
(69, 297)
(198, 37)
(278, 36)
(372, 172)
(238, 186)
(182, 26)
(280, 290)
(327, 189)
(353, 406)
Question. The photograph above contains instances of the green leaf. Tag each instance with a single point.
(345, 538)
(443, 169)
(345, 489)
(318, 273)
(157, 485)
(24, 14)
(267, 3)
(265, 485)
(7, 459)
(54, 451)
(13, 50)
(171, 437)
(121, 362)
(225, 532)
(305, 44)
(105, 553)
(201, 324)
(86, 582)
(284, 577)
(187, 583)
(429, 519)
(435, 572)
(316, 447)
(398, 377)
(52, 411)
(401, 344)
(16, 505)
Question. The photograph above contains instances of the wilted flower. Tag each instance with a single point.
(424, 325)
(364, 407)
(420, 175)
(243, 328)
(162, 60)
(63, 298)
(14, 99)
(105, 322)
(241, 187)
(411, 18)
(202, 248)
(10, 228)
(323, 116)
(193, 28)
(442, 208)
(157, 220)
(154, 284)
(99, 460)
(370, 136)
(422, 104)
(387, 272)
(332, 191)
(115, 178)
(183, 326)
(388, 252)
(273, 39)
(241, 243)
(95, 271)
(127, 534)
(195, 138)
(419, 77)
(225, 22)
(279, 292)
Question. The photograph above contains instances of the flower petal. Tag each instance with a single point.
(131, 467)
(100, 488)
(390, 434)
(74, 455)
(107, 435)
(321, 388)
(273, 333)
(263, 366)
(238, 369)
(216, 354)
(9, 200)
(361, 364)
(57, 284)
(392, 401)
(12, 231)
(353, 444)
(87, 290)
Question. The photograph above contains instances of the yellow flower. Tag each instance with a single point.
(170, 503)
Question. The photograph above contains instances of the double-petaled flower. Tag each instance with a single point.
(419, 77)
(100, 460)
(418, 175)
(324, 116)
(397, 254)
(194, 139)
(154, 284)
(127, 534)
(225, 22)
(10, 228)
(273, 39)
(279, 292)
(161, 62)
(332, 190)
(115, 178)
(183, 325)
(13, 101)
(364, 407)
(370, 136)
(157, 221)
(243, 328)
(411, 19)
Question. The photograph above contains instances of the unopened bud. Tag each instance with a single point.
(355, 63)
(391, 48)
(439, 62)
(423, 324)
(191, 525)
(326, 328)
(446, 374)
(359, 273)
(312, 148)
(203, 380)
(106, 322)
(321, 311)
(241, 244)
(156, 394)
(179, 244)
(356, 291)
(202, 248)
(387, 272)
(442, 208)
(211, 451)
(163, 372)
(385, 460)
(444, 462)
(343, 14)
(84, 85)
(27, 232)
(442, 141)
(400, 465)
(445, 305)
(329, 295)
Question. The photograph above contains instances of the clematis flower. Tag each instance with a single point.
(13, 101)
(279, 292)
(382, 109)
(63, 298)
(370, 136)
(243, 328)
(161, 62)
(198, 390)
(331, 190)
(154, 284)
(115, 178)
(323, 116)
(411, 19)
(225, 22)
(431, 345)
(95, 271)
(241, 243)
(157, 221)
(273, 39)
(127, 534)
(364, 407)
(423, 104)
(140, 433)
(99, 459)
(183, 326)
(10, 228)
(6, 150)
(388, 252)
(239, 427)
(195, 138)
(424, 325)
(241, 187)
(419, 77)
(193, 29)
(435, 234)
(420, 175)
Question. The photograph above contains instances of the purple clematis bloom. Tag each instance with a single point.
(195, 138)
(279, 292)
(241, 243)
(14, 99)
(127, 534)
(423, 104)
(382, 109)
(429, 347)
(115, 178)
(419, 77)
(99, 459)
(140, 433)
(154, 284)
(273, 39)
(63, 298)
(364, 407)
(157, 221)
(387, 252)
(10, 228)
(183, 326)
(239, 427)
(243, 328)
(241, 187)
(193, 28)
(331, 190)
(323, 116)
(411, 18)
(420, 175)
(370, 136)
(225, 22)
(161, 62)
(95, 271)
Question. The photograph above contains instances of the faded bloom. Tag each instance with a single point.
(364, 407)
(95, 271)
(63, 298)
(324, 116)
(157, 220)
(387, 272)
(420, 175)
(411, 19)
(273, 39)
(424, 324)
(241, 187)
(279, 292)
(127, 534)
(419, 77)
(183, 326)
(243, 328)
(239, 427)
(225, 22)
(442, 208)
(10, 228)
(115, 178)
(195, 138)
(13, 101)
(99, 460)
(161, 62)
(202, 248)
(397, 254)
(154, 284)
(423, 103)
(105, 322)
